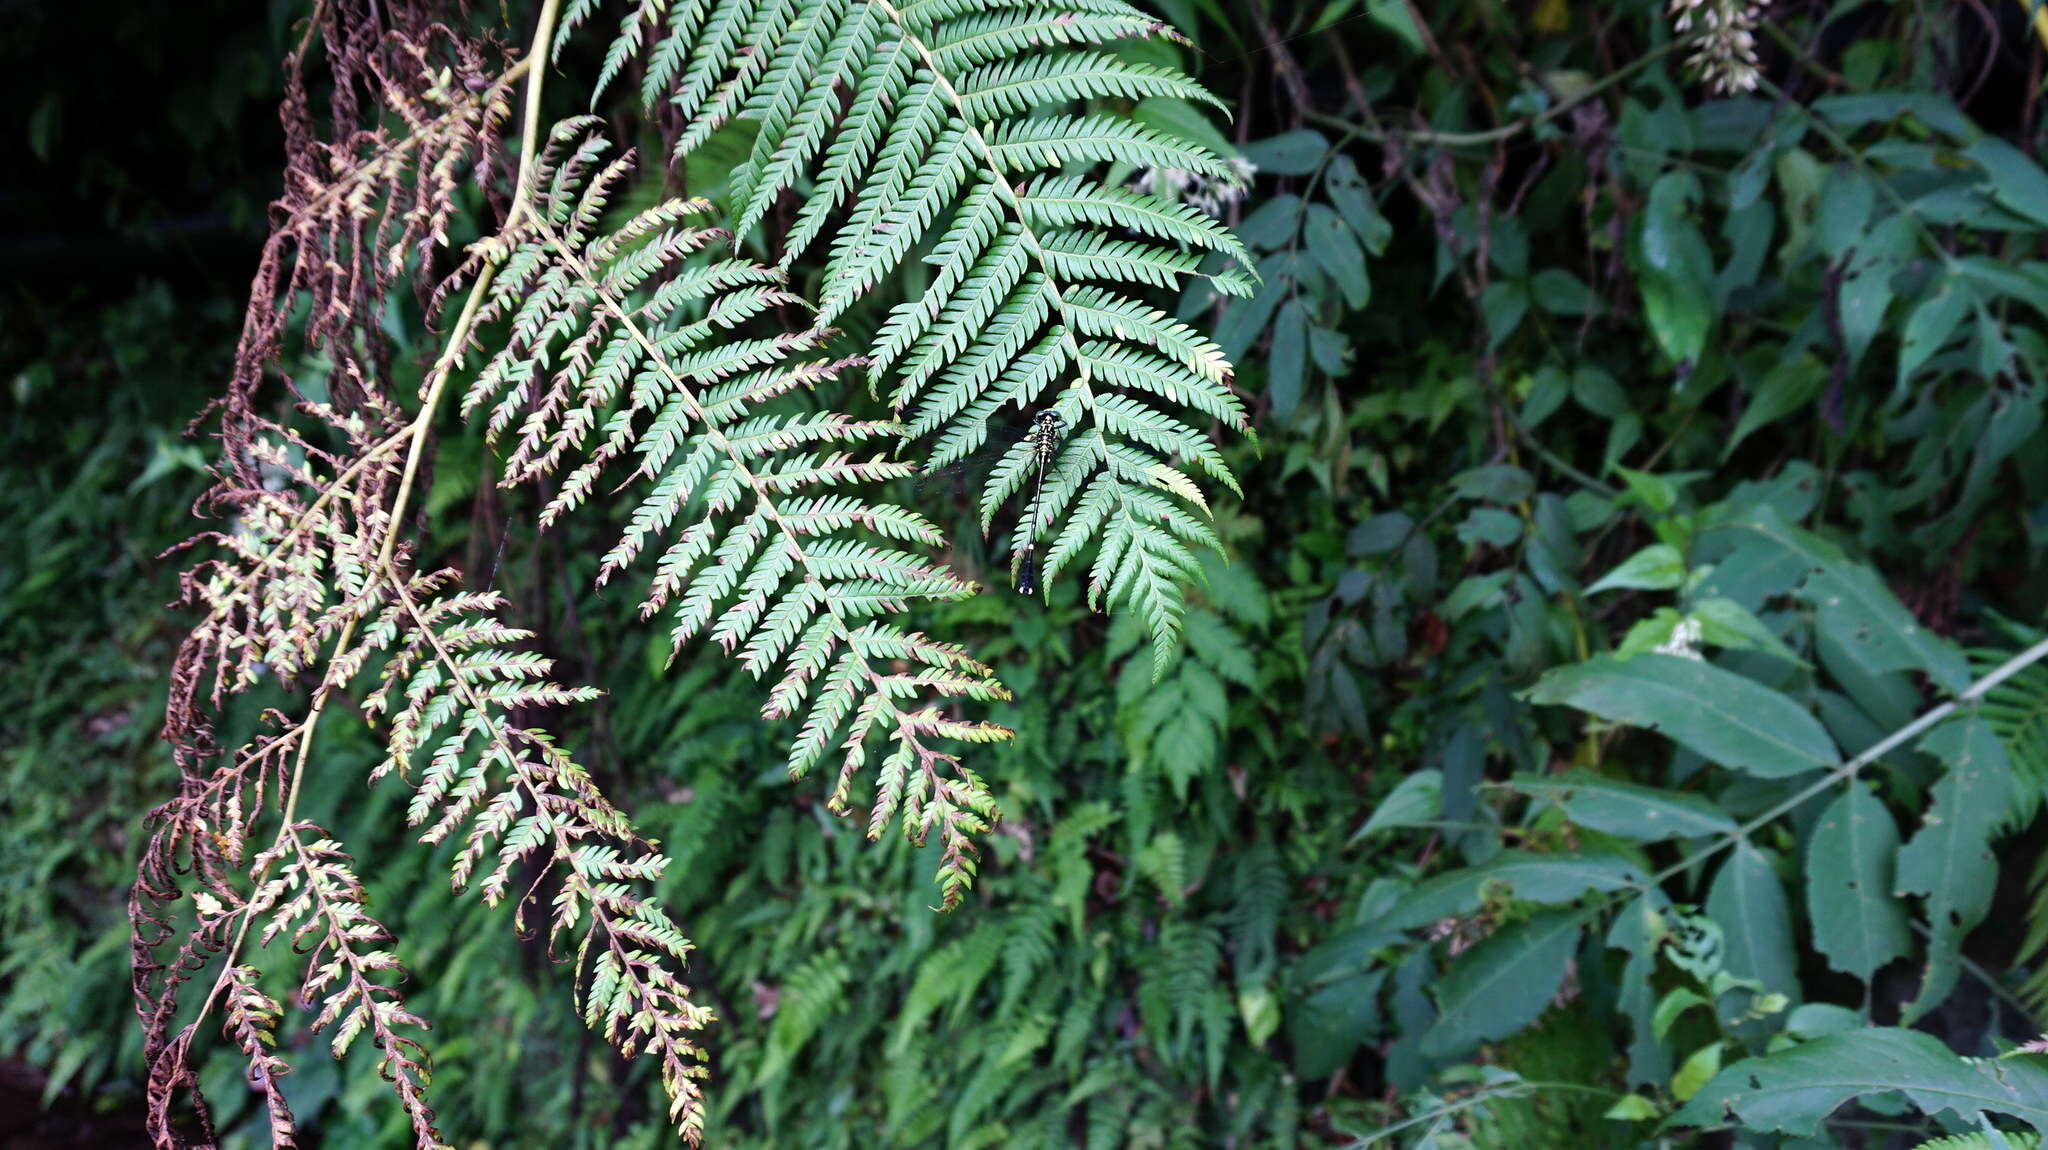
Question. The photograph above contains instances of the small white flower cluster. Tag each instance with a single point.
(1726, 57)
(1684, 641)
(1209, 196)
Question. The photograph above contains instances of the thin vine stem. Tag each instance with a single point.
(1520, 1088)
(1874, 752)
(1377, 134)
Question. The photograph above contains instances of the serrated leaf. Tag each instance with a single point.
(1548, 880)
(1502, 983)
(1949, 859)
(1748, 902)
(1849, 599)
(1327, 1027)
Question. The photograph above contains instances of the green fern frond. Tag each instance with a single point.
(978, 133)
(449, 681)
(316, 899)
(629, 352)
(1179, 976)
(813, 992)
(252, 1018)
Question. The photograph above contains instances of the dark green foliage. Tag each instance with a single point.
(1567, 740)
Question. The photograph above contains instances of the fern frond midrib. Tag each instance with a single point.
(711, 430)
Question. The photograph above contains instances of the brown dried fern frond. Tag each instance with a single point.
(314, 583)
(366, 204)
(310, 585)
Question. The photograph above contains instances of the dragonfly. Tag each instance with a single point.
(1043, 437)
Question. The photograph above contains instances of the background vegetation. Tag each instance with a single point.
(1584, 706)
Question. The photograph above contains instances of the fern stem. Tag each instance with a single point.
(307, 517)
(1508, 131)
(1520, 1088)
(451, 352)
(416, 433)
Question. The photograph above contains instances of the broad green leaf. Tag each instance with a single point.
(1503, 983)
(1675, 1002)
(1503, 306)
(1288, 367)
(1332, 246)
(1725, 623)
(2017, 181)
(1638, 930)
(1352, 196)
(1934, 319)
(1549, 879)
(2027, 282)
(1748, 903)
(1490, 526)
(1419, 798)
(1854, 110)
(1495, 483)
(1351, 949)
(1293, 153)
(1849, 599)
(1657, 492)
(1176, 117)
(1632, 1108)
(1327, 1026)
(1724, 717)
(1474, 592)
(1949, 859)
(1788, 387)
(1244, 319)
(1696, 1071)
(1559, 292)
(1645, 814)
(1658, 567)
(1815, 1019)
(1845, 205)
(1649, 633)
(1865, 296)
(1675, 270)
(1794, 1090)
(1857, 924)
(1400, 20)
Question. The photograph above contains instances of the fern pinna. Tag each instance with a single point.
(314, 582)
(976, 133)
(628, 350)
